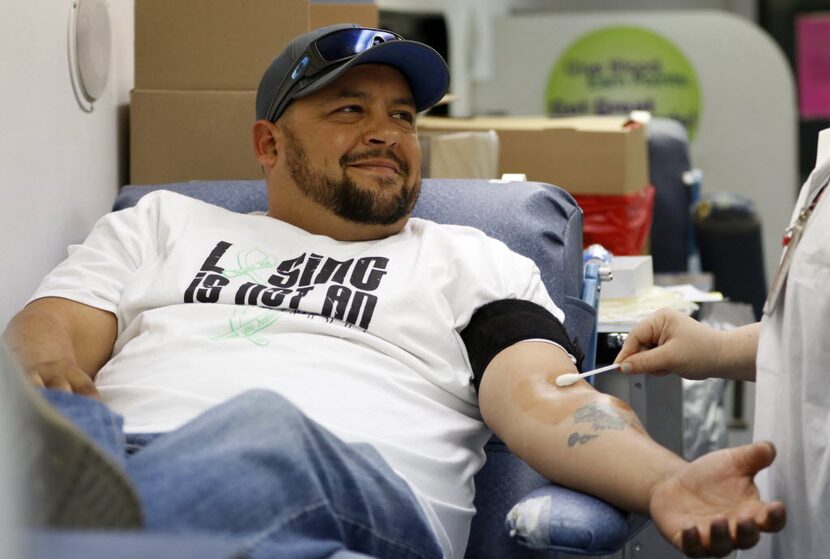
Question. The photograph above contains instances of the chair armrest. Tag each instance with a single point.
(575, 523)
(557, 518)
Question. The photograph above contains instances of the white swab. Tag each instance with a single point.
(570, 378)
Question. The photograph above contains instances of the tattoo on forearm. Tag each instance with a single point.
(602, 417)
(576, 439)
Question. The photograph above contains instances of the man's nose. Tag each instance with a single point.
(380, 131)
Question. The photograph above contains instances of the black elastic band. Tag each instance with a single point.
(500, 324)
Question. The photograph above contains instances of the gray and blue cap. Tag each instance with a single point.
(316, 59)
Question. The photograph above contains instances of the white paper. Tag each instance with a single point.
(823, 153)
(692, 293)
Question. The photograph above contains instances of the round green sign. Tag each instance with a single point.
(617, 70)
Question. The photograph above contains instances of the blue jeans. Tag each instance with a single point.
(256, 467)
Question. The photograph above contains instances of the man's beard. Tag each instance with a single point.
(343, 196)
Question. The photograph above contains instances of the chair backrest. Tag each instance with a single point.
(536, 220)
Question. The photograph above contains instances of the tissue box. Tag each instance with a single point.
(459, 155)
(633, 275)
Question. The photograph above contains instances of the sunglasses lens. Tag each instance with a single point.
(350, 42)
(332, 48)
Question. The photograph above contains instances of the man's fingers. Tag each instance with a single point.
(35, 379)
(82, 384)
(65, 379)
(747, 534)
(691, 543)
(720, 540)
(774, 519)
(58, 383)
(754, 457)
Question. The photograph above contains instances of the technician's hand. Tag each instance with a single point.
(669, 341)
(62, 375)
(711, 506)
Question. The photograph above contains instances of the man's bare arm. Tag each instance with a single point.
(573, 435)
(594, 443)
(62, 344)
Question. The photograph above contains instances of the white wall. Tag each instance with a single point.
(60, 168)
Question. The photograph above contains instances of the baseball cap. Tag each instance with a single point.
(317, 58)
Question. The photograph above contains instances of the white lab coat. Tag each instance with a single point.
(792, 406)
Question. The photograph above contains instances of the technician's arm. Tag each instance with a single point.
(594, 443)
(62, 344)
(669, 341)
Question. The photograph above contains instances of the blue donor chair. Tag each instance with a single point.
(519, 513)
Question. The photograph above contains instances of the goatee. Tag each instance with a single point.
(343, 196)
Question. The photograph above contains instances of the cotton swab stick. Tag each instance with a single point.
(570, 378)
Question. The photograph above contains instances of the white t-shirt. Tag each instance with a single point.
(792, 407)
(361, 336)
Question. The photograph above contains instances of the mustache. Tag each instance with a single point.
(351, 158)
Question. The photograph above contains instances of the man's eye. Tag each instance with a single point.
(351, 109)
(404, 115)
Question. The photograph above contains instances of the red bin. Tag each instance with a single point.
(620, 223)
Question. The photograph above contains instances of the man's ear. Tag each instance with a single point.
(265, 136)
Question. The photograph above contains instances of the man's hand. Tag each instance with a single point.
(711, 506)
(62, 344)
(63, 374)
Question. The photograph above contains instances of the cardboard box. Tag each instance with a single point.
(197, 67)
(224, 44)
(212, 44)
(584, 155)
(189, 135)
(322, 14)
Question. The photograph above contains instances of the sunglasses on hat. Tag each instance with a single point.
(325, 52)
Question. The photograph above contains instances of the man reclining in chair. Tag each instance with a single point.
(322, 378)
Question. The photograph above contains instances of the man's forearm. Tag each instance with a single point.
(35, 337)
(575, 436)
(596, 444)
(52, 335)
